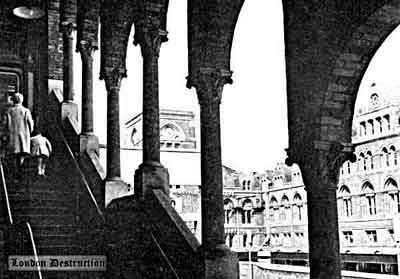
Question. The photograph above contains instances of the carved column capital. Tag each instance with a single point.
(150, 38)
(67, 28)
(335, 154)
(86, 50)
(112, 77)
(209, 83)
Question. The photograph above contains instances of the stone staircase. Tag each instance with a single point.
(66, 221)
(50, 205)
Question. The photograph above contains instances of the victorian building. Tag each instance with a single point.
(244, 204)
(328, 46)
(367, 194)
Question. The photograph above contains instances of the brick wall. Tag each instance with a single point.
(55, 42)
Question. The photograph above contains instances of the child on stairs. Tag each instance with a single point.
(41, 150)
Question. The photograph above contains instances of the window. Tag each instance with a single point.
(371, 126)
(391, 233)
(348, 237)
(386, 119)
(347, 208)
(228, 208)
(286, 208)
(297, 207)
(371, 205)
(348, 167)
(371, 160)
(369, 202)
(393, 200)
(385, 157)
(244, 240)
(371, 235)
(247, 208)
(363, 129)
(380, 124)
(274, 209)
(392, 152)
(363, 161)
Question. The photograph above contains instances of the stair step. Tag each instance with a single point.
(55, 241)
(50, 219)
(72, 249)
(41, 210)
(40, 195)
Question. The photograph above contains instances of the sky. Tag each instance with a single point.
(382, 70)
(253, 110)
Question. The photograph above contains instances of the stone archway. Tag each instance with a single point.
(336, 114)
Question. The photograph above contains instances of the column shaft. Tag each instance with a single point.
(323, 235)
(68, 64)
(113, 134)
(151, 114)
(87, 90)
(211, 175)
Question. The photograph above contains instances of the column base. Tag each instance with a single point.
(89, 142)
(150, 177)
(115, 188)
(69, 108)
(220, 263)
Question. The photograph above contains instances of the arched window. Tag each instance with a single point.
(348, 167)
(247, 208)
(393, 154)
(380, 124)
(173, 203)
(228, 209)
(370, 160)
(363, 129)
(363, 161)
(386, 120)
(285, 208)
(273, 209)
(297, 207)
(371, 127)
(392, 197)
(347, 207)
(369, 206)
(385, 157)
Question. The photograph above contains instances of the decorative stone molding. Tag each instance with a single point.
(150, 40)
(209, 83)
(67, 28)
(86, 48)
(113, 77)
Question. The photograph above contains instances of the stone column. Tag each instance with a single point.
(151, 174)
(320, 175)
(114, 186)
(68, 108)
(219, 262)
(112, 78)
(88, 141)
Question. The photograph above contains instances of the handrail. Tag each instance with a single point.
(164, 256)
(3, 180)
(80, 173)
(34, 249)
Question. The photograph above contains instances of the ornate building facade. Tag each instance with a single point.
(367, 194)
(244, 204)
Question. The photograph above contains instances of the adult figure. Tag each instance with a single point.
(19, 126)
